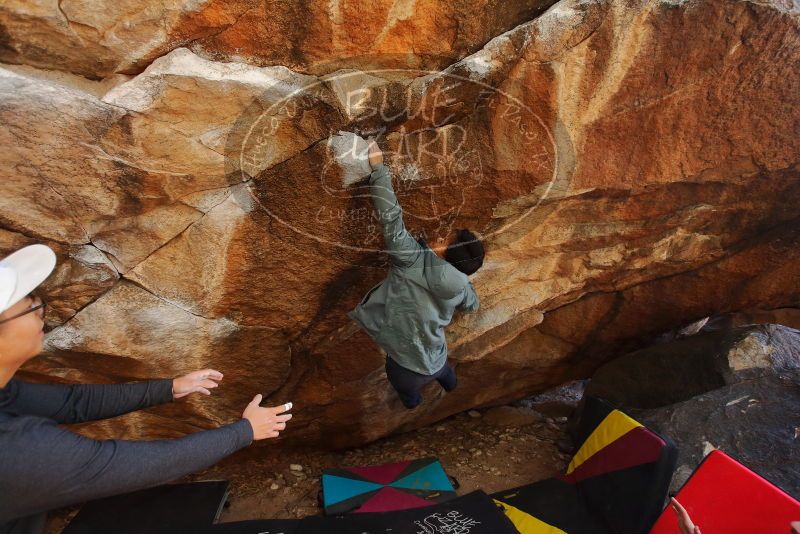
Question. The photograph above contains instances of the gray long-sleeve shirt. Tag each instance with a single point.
(45, 466)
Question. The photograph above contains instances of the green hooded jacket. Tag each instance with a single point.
(406, 313)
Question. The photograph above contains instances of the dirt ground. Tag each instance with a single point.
(490, 449)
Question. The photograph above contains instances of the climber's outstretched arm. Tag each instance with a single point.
(403, 249)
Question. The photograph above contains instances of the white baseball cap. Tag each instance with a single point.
(23, 271)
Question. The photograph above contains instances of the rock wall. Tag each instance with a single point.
(631, 165)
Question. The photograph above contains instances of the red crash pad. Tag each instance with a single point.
(723, 496)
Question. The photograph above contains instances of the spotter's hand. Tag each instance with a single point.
(685, 523)
(196, 382)
(266, 422)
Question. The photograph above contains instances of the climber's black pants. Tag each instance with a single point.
(408, 383)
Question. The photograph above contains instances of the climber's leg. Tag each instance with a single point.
(447, 378)
(406, 382)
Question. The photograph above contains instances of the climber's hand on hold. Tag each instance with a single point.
(196, 382)
(375, 154)
(266, 422)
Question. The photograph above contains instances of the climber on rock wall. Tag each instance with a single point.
(45, 466)
(406, 313)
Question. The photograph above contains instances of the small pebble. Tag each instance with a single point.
(274, 486)
(296, 467)
(474, 414)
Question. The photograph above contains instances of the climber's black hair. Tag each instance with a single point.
(466, 252)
